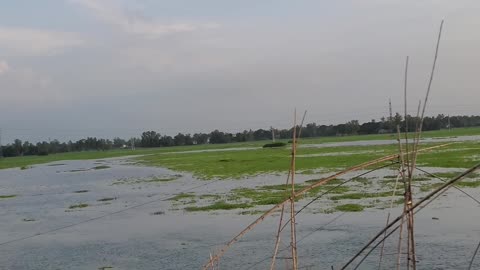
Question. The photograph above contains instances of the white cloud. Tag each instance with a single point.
(115, 15)
(4, 67)
(27, 41)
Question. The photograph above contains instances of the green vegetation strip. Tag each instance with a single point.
(7, 196)
(350, 207)
(265, 157)
(221, 205)
(75, 206)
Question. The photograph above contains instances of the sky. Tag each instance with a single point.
(105, 68)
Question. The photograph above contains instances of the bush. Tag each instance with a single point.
(277, 144)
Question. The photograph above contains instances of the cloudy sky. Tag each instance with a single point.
(74, 68)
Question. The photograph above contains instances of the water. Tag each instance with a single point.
(137, 239)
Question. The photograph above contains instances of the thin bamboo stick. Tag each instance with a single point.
(293, 240)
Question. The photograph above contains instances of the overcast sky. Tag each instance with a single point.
(77, 68)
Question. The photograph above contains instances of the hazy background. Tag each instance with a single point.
(77, 68)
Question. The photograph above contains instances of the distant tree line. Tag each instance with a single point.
(155, 139)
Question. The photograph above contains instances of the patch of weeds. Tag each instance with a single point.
(421, 178)
(358, 196)
(182, 196)
(221, 205)
(7, 196)
(209, 196)
(261, 196)
(336, 190)
(78, 170)
(399, 201)
(105, 268)
(158, 213)
(106, 199)
(362, 180)
(470, 184)
(24, 168)
(429, 187)
(81, 191)
(80, 205)
(28, 219)
(350, 207)
(56, 164)
(308, 172)
(101, 167)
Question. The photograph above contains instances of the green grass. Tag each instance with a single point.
(221, 205)
(106, 199)
(76, 206)
(7, 196)
(470, 184)
(358, 196)
(350, 207)
(182, 196)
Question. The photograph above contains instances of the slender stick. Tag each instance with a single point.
(405, 104)
(473, 257)
(293, 240)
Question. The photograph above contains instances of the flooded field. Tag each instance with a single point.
(165, 219)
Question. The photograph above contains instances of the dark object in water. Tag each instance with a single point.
(435, 218)
(277, 144)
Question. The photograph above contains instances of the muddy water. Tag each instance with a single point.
(174, 239)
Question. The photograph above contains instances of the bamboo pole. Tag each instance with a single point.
(293, 240)
(280, 228)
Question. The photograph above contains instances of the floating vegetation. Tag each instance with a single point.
(221, 205)
(106, 199)
(78, 170)
(81, 191)
(28, 219)
(105, 268)
(75, 206)
(157, 213)
(7, 196)
(25, 167)
(350, 207)
(358, 196)
(470, 184)
(56, 164)
(209, 196)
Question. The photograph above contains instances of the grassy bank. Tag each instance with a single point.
(248, 162)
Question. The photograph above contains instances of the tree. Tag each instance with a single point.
(150, 139)
(179, 139)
